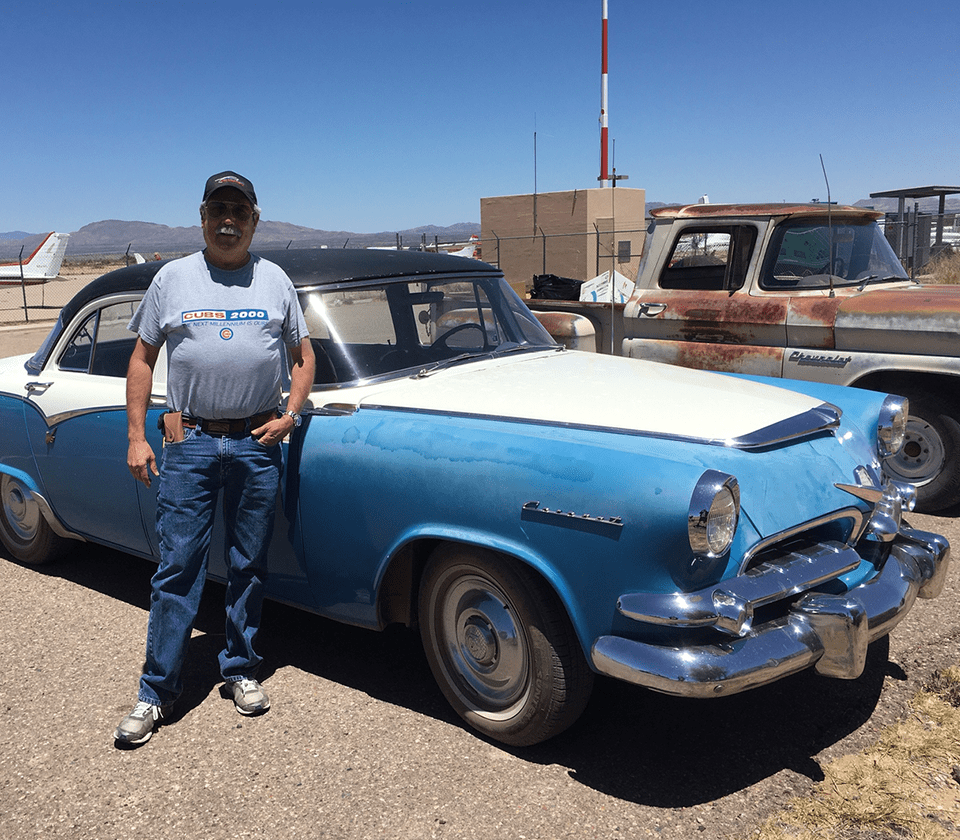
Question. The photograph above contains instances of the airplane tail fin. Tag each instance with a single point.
(470, 250)
(45, 262)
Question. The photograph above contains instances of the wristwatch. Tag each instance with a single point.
(297, 419)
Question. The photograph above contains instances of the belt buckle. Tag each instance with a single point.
(217, 427)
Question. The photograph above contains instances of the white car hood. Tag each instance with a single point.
(589, 389)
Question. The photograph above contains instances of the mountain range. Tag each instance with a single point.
(113, 236)
(117, 237)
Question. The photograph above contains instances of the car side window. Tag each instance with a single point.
(102, 344)
(77, 355)
(462, 318)
(709, 258)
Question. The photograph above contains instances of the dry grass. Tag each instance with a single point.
(944, 269)
(905, 786)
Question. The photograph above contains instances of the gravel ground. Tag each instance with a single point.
(360, 744)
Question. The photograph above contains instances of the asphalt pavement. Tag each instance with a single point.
(359, 742)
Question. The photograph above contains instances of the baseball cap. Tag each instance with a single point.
(230, 179)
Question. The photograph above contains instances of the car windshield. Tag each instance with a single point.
(823, 255)
(35, 363)
(392, 328)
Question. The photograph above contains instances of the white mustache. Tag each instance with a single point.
(228, 230)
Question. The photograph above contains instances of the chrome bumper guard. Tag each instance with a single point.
(830, 632)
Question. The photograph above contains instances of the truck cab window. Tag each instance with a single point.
(709, 258)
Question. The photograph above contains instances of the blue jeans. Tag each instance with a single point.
(193, 474)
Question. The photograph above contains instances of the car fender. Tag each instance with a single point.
(442, 532)
(25, 479)
(42, 503)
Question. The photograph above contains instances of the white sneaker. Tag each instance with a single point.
(249, 697)
(138, 726)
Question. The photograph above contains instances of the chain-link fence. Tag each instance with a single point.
(580, 256)
(917, 238)
(31, 301)
(574, 256)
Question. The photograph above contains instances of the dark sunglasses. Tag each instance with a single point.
(219, 209)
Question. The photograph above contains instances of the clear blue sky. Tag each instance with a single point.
(370, 115)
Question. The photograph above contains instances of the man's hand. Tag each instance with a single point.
(273, 431)
(141, 461)
(140, 458)
(301, 380)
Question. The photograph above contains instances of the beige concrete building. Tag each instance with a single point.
(576, 234)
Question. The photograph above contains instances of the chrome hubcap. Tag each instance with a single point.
(484, 647)
(480, 643)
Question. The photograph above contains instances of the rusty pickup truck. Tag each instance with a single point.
(808, 292)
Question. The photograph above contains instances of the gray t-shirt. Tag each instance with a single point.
(225, 333)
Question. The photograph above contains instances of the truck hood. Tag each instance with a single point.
(915, 319)
(588, 389)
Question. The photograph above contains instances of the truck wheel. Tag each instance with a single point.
(930, 458)
(501, 646)
(23, 530)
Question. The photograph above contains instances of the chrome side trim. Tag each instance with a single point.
(823, 419)
(830, 632)
(338, 409)
(51, 519)
(58, 418)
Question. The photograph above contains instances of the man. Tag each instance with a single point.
(227, 318)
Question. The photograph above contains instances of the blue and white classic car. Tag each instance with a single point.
(540, 514)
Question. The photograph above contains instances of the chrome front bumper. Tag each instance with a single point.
(830, 632)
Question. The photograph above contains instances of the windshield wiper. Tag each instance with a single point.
(496, 352)
(445, 363)
(516, 347)
(870, 278)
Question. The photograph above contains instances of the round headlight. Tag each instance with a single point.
(714, 513)
(892, 425)
(907, 494)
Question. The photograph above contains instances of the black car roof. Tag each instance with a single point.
(304, 266)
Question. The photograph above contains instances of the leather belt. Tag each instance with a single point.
(228, 427)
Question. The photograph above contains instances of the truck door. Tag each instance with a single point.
(699, 313)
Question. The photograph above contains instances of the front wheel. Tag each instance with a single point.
(23, 530)
(501, 646)
(930, 456)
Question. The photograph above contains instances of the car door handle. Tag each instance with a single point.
(37, 387)
(652, 308)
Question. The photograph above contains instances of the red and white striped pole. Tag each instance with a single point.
(604, 174)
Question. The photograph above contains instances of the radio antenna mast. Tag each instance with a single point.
(604, 174)
(829, 227)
